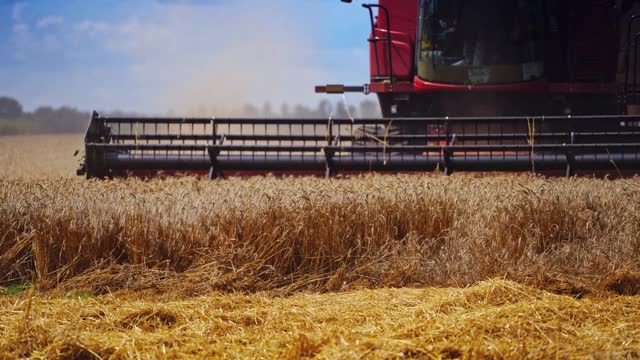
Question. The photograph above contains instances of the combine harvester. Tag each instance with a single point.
(475, 85)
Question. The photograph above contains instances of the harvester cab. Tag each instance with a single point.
(532, 85)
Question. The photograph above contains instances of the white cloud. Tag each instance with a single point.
(18, 10)
(92, 27)
(217, 56)
(28, 44)
(21, 36)
(20, 29)
(47, 21)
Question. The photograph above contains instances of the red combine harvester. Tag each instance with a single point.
(464, 85)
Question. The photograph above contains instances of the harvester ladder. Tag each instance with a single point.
(375, 40)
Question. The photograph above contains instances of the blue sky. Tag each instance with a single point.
(156, 55)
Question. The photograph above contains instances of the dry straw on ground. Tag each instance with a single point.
(494, 319)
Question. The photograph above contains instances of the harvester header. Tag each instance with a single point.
(232, 146)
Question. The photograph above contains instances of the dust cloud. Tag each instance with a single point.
(246, 52)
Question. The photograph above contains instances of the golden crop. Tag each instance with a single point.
(307, 233)
(269, 267)
(39, 156)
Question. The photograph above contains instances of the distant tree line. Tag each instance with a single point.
(44, 119)
(65, 119)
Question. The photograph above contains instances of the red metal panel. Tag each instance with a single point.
(404, 22)
(404, 16)
(394, 87)
(402, 55)
(538, 86)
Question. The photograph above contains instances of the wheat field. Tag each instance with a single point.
(39, 156)
(372, 266)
